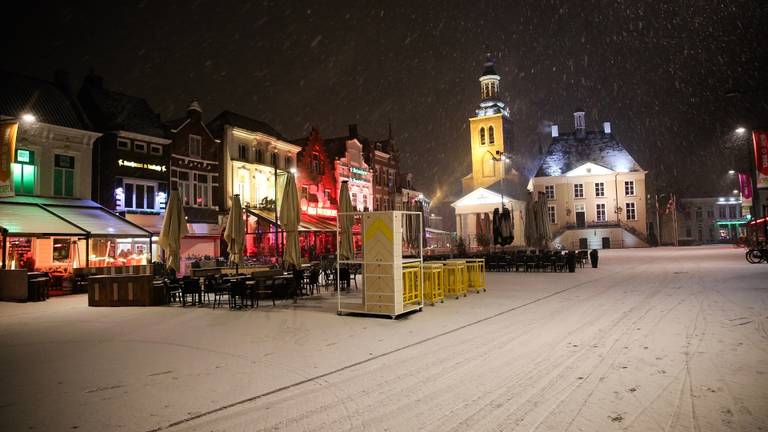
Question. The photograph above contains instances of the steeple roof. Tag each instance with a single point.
(489, 66)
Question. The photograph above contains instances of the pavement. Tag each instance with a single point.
(654, 339)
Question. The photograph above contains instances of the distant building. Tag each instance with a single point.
(348, 154)
(708, 220)
(595, 190)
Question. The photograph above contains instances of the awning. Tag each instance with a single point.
(150, 222)
(61, 216)
(32, 220)
(307, 223)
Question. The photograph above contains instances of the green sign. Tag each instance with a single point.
(25, 156)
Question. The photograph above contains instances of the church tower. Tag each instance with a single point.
(490, 132)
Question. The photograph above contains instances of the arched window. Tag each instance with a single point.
(259, 155)
(273, 160)
(482, 136)
(489, 166)
(491, 138)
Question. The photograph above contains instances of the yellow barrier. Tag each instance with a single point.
(411, 285)
(456, 278)
(434, 283)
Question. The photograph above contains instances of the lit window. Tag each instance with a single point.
(24, 172)
(631, 211)
(629, 188)
(140, 147)
(600, 189)
(552, 214)
(61, 250)
(139, 195)
(315, 163)
(578, 190)
(491, 138)
(600, 215)
(123, 144)
(195, 146)
(482, 136)
(549, 190)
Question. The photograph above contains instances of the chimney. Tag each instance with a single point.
(194, 111)
(555, 131)
(353, 130)
(607, 127)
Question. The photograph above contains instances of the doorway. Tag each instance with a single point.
(581, 216)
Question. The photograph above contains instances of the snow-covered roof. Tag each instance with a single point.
(568, 152)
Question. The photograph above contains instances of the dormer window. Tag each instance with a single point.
(242, 152)
(482, 136)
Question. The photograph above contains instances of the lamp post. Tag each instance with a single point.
(500, 157)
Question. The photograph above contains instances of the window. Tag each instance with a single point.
(139, 195)
(482, 136)
(600, 212)
(139, 147)
(549, 190)
(288, 163)
(202, 190)
(699, 214)
(354, 201)
(63, 176)
(242, 152)
(156, 150)
(365, 201)
(123, 144)
(61, 249)
(578, 190)
(376, 205)
(24, 172)
(327, 195)
(491, 138)
(305, 192)
(185, 187)
(631, 211)
(722, 212)
(552, 214)
(600, 189)
(629, 188)
(273, 159)
(259, 155)
(195, 146)
(315, 163)
(710, 214)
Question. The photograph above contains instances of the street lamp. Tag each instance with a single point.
(501, 157)
(740, 130)
(28, 118)
(731, 172)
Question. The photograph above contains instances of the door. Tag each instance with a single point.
(606, 242)
(581, 216)
(583, 244)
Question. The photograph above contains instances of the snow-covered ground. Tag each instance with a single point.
(657, 339)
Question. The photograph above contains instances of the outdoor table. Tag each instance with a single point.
(434, 283)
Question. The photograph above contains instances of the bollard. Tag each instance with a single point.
(593, 258)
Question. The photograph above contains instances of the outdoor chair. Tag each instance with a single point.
(344, 277)
(531, 262)
(298, 282)
(216, 286)
(237, 289)
(262, 285)
(172, 289)
(353, 276)
(561, 263)
(190, 287)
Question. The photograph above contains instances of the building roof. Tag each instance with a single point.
(571, 150)
(216, 126)
(488, 66)
(111, 111)
(48, 102)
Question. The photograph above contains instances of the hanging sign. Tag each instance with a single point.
(760, 140)
(7, 145)
(745, 186)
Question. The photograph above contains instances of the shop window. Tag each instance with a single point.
(156, 149)
(61, 249)
(578, 190)
(629, 188)
(123, 144)
(195, 146)
(631, 211)
(63, 176)
(599, 189)
(139, 147)
(24, 172)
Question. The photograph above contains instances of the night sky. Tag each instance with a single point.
(675, 79)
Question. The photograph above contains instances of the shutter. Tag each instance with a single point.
(69, 183)
(57, 182)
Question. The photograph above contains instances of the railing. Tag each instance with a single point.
(632, 230)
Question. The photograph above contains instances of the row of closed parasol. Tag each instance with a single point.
(175, 227)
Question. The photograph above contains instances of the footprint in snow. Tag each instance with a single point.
(616, 419)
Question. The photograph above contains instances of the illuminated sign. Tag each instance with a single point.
(131, 164)
(314, 210)
(23, 156)
(359, 171)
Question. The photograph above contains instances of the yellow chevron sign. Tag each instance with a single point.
(377, 227)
